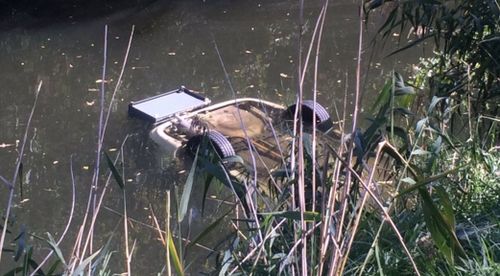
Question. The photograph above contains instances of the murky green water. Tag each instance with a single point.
(172, 45)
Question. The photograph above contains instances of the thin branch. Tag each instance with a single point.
(9, 185)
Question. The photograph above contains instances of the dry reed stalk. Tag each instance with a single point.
(315, 92)
(384, 210)
(259, 247)
(329, 209)
(355, 118)
(79, 254)
(70, 218)
(119, 81)
(93, 189)
(164, 240)
(167, 231)
(76, 253)
(300, 148)
(357, 218)
(128, 253)
(393, 202)
(251, 191)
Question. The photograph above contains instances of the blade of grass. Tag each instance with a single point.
(188, 187)
(208, 229)
(428, 180)
(114, 171)
(53, 245)
(80, 270)
(173, 255)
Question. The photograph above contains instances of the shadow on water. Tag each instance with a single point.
(43, 13)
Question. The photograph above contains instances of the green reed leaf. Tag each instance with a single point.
(114, 171)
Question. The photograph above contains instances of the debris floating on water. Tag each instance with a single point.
(3, 145)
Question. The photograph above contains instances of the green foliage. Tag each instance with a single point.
(451, 179)
(466, 36)
(178, 266)
(480, 183)
(452, 138)
(23, 254)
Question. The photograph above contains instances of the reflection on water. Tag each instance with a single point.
(172, 45)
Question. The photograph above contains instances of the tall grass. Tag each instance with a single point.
(382, 194)
(299, 233)
(380, 200)
(84, 259)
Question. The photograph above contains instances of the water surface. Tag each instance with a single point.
(173, 44)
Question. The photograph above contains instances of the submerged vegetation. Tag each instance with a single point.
(416, 191)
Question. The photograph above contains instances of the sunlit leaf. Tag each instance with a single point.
(400, 88)
(409, 180)
(419, 152)
(436, 146)
(174, 255)
(420, 126)
(55, 247)
(80, 270)
(421, 181)
(233, 159)
(188, 187)
(435, 100)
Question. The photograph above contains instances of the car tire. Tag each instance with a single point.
(219, 141)
(323, 121)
